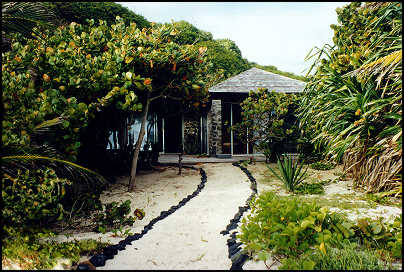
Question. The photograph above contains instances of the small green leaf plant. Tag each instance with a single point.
(294, 230)
(114, 216)
(291, 172)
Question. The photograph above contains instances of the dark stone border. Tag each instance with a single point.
(236, 255)
(110, 251)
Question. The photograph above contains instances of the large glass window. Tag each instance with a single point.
(133, 130)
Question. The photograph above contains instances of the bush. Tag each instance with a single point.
(33, 195)
(286, 226)
(114, 215)
(322, 165)
(349, 257)
(290, 227)
(311, 188)
(25, 248)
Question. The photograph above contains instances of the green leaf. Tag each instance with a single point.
(308, 265)
(307, 222)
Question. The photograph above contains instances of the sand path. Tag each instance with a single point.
(190, 237)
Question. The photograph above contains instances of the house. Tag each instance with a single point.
(207, 131)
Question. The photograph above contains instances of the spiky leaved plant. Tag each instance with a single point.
(291, 172)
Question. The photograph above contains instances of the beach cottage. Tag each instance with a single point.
(208, 132)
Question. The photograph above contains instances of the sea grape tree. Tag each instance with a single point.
(267, 119)
(76, 71)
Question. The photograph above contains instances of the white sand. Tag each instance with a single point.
(190, 237)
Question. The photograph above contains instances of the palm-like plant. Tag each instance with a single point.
(41, 156)
(356, 114)
(24, 18)
(291, 172)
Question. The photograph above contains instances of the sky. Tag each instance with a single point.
(268, 33)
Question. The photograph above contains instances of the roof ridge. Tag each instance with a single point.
(254, 78)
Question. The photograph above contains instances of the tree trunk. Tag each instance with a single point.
(137, 147)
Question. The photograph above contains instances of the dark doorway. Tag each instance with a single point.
(239, 144)
(226, 131)
(172, 133)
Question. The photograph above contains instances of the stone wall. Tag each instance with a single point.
(215, 128)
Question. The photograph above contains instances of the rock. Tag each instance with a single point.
(98, 260)
(86, 265)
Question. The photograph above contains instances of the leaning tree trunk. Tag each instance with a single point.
(137, 148)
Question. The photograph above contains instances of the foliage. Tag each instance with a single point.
(268, 119)
(322, 165)
(291, 172)
(189, 34)
(311, 188)
(32, 196)
(113, 215)
(224, 58)
(25, 18)
(79, 12)
(25, 248)
(285, 226)
(229, 45)
(275, 70)
(289, 227)
(352, 103)
(82, 70)
(349, 256)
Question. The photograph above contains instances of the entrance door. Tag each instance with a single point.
(239, 144)
(232, 143)
(172, 133)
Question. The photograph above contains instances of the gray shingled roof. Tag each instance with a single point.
(255, 78)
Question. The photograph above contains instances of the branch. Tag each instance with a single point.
(154, 98)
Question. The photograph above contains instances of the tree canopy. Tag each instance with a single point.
(79, 12)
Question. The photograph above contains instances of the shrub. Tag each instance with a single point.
(311, 188)
(290, 227)
(32, 196)
(349, 257)
(322, 165)
(114, 215)
(291, 173)
(286, 226)
(24, 247)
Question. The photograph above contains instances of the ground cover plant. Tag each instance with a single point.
(287, 227)
(322, 165)
(25, 244)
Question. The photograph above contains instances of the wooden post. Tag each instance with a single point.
(180, 160)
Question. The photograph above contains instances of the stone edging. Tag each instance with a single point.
(235, 253)
(110, 251)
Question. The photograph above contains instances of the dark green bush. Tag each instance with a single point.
(322, 165)
(79, 12)
(114, 215)
(311, 188)
(33, 195)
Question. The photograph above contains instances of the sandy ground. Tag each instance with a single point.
(341, 189)
(190, 237)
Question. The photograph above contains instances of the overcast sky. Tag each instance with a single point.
(279, 34)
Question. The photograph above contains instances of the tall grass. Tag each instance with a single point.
(353, 101)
